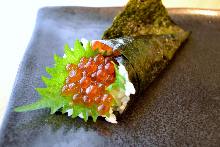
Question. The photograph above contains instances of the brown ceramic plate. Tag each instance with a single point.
(180, 108)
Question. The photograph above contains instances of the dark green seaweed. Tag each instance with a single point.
(142, 17)
(146, 56)
(150, 39)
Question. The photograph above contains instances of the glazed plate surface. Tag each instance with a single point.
(180, 108)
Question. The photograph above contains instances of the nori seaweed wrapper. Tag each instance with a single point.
(142, 17)
(144, 57)
(150, 39)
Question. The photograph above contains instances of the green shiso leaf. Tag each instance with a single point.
(51, 95)
(89, 51)
(119, 81)
(116, 88)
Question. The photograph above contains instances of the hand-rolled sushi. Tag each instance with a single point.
(101, 77)
(85, 82)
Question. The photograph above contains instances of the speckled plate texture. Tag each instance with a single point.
(180, 108)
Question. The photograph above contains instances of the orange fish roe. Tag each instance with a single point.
(87, 81)
(102, 48)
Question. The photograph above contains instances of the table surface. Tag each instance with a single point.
(17, 23)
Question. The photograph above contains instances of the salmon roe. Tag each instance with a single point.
(87, 81)
(102, 48)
